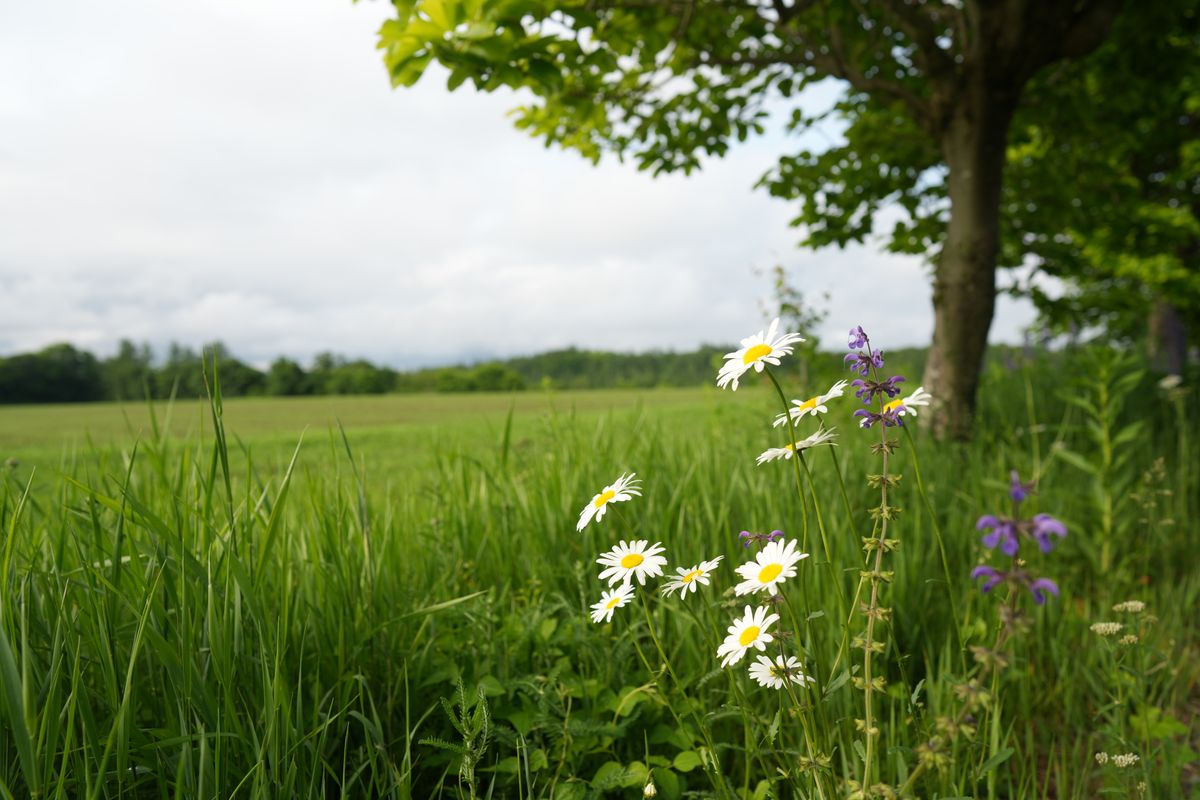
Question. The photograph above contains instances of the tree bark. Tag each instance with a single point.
(1167, 338)
(964, 287)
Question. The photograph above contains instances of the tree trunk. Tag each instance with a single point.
(1167, 338)
(964, 285)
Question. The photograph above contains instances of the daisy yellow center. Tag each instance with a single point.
(749, 635)
(632, 560)
(808, 404)
(755, 353)
(790, 448)
(616, 601)
(892, 406)
(691, 576)
(770, 573)
(604, 498)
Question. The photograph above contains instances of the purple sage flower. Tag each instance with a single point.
(1043, 526)
(867, 390)
(1018, 490)
(992, 576)
(1003, 533)
(1040, 588)
(858, 337)
(760, 539)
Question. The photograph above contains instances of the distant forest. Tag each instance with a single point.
(62, 373)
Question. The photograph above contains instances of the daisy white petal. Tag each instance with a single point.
(755, 353)
(623, 488)
(632, 560)
(773, 674)
(747, 632)
(909, 405)
(813, 405)
(823, 436)
(610, 601)
(690, 579)
(774, 564)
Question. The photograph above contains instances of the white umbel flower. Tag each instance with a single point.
(749, 631)
(773, 674)
(689, 580)
(1107, 628)
(813, 405)
(755, 353)
(1130, 607)
(632, 560)
(623, 488)
(610, 601)
(774, 564)
(823, 436)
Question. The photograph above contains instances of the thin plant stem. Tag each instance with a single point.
(792, 430)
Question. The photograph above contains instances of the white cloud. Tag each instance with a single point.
(243, 171)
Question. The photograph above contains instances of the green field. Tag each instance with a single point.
(185, 616)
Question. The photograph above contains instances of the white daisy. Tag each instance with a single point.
(627, 561)
(747, 632)
(689, 579)
(813, 405)
(909, 404)
(610, 602)
(823, 436)
(756, 351)
(773, 564)
(772, 674)
(623, 488)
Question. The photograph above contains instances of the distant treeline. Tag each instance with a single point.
(65, 374)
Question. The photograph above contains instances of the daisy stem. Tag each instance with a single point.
(792, 429)
(837, 469)
(812, 487)
(716, 776)
(802, 713)
(800, 652)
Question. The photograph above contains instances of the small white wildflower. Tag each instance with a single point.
(1107, 628)
(648, 790)
(1129, 638)
(1126, 760)
(1130, 606)
(1101, 758)
(1170, 382)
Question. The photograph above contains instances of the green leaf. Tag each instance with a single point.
(571, 790)
(995, 761)
(15, 706)
(687, 761)
(1078, 461)
(611, 775)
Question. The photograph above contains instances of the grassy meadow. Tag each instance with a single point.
(387, 597)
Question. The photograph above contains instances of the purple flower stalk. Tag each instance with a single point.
(858, 338)
(1005, 534)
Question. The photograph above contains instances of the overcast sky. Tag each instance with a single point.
(241, 170)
